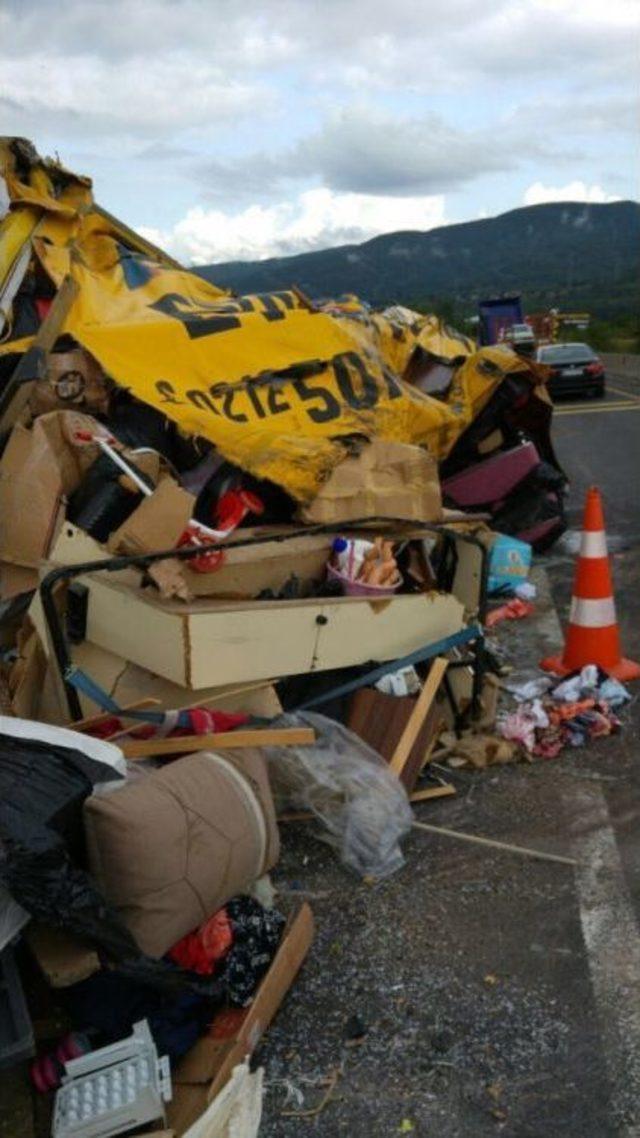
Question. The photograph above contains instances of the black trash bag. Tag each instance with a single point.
(42, 789)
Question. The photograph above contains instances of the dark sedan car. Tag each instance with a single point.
(575, 369)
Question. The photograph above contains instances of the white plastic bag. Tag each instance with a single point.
(362, 806)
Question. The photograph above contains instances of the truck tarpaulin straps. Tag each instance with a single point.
(160, 724)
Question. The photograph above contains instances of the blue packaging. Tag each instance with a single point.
(509, 562)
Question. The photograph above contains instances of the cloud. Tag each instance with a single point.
(231, 109)
(361, 150)
(577, 191)
(378, 153)
(136, 96)
(174, 64)
(315, 219)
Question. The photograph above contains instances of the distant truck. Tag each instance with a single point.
(501, 322)
(497, 315)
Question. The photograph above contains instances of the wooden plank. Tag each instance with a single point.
(444, 791)
(15, 396)
(220, 741)
(104, 716)
(419, 714)
(380, 720)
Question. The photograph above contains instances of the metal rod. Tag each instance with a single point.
(506, 846)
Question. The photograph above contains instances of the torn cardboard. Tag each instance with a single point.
(387, 480)
(63, 960)
(157, 523)
(250, 569)
(40, 467)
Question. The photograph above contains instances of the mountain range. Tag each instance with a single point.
(569, 255)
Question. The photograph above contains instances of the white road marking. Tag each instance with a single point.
(599, 410)
(610, 932)
(612, 942)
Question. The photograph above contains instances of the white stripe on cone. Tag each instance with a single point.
(592, 614)
(593, 544)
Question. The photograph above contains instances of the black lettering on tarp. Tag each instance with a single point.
(271, 309)
(330, 408)
(344, 367)
(228, 395)
(285, 297)
(393, 386)
(167, 391)
(202, 401)
(276, 401)
(234, 304)
(252, 392)
(197, 320)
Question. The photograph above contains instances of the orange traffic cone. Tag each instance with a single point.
(592, 636)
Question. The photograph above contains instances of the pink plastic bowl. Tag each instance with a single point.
(360, 589)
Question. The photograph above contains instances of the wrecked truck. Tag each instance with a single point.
(264, 394)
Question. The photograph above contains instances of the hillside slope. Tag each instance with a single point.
(565, 254)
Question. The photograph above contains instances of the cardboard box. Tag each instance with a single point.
(34, 476)
(247, 571)
(63, 960)
(235, 1034)
(40, 467)
(387, 480)
(157, 523)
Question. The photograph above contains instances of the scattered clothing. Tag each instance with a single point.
(173, 724)
(257, 932)
(514, 610)
(579, 708)
(200, 951)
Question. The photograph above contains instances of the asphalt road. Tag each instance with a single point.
(599, 441)
(499, 994)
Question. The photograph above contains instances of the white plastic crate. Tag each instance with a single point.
(114, 1089)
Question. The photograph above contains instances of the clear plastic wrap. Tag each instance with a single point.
(362, 807)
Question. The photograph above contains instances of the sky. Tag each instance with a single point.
(238, 131)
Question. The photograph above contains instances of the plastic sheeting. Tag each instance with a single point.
(362, 807)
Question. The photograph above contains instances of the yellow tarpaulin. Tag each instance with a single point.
(278, 386)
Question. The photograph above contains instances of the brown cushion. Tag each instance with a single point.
(170, 849)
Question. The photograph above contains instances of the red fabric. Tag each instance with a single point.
(514, 610)
(108, 727)
(200, 950)
(207, 722)
(563, 711)
(202, 721)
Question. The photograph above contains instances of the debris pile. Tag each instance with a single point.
(219, 513)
